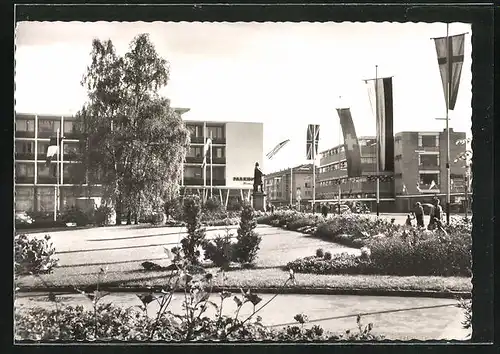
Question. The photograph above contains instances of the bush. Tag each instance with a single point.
(102, 215)
(33, 255)
(212, 205)
(320, 253)
(195, 232)
(220, 250)
(77, 216)
(343, 263)
(234, 205)
(248, 241)
(74, 323)
(327, 256)
(173, 209)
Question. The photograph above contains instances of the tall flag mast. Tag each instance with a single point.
(450, 53)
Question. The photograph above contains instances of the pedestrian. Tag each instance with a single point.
(435, 216)
(408, 220)
(419, 214)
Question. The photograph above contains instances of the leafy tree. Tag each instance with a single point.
(247, 241)
(134, 141)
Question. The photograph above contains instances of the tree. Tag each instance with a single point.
(134, 142)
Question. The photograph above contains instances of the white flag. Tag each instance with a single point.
(205, 151)
(433, 184)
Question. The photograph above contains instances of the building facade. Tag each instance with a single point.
(281, 186)
(333, 173)
(235, 149)
(420, 170)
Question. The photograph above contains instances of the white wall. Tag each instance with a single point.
(244, 147)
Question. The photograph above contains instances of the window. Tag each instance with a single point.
(368, 160)
(426, 179)
(193, 172)
(24, 198)
(218, 152)
(42, 147)
(48, 125)
(45, 198)
(70, 126)
(25, 125)
(455, 176)
(25, 147)
(429, 160)
(215, 132)
(428, 140)
(195, 151)
(69, 148)
(44, 171)
(25, 169)
(194, 131)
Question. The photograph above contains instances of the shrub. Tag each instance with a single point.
(173, 209)
(102, 214)
(220, 250)
(213, 205)
(343, 263)
(33, 255)
(77, 216)
(320, 253)
(327, 256)
(195, 232)
(248, 241)
(234, 205)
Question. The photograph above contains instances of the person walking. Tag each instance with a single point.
(435, 216)
(324, 210)
(419, 214)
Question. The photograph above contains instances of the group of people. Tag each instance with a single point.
(435, 216)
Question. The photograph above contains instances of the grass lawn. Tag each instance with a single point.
(122, 250)
(270, 278)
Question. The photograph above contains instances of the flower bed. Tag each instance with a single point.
(408, 254)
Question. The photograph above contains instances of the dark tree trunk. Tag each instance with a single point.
(118, 212)
(129, 217)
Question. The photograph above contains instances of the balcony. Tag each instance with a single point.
(216, 182)
(219, 160)
(25, 179)
(24, 134)
(46, 180)
(189, 181)
(25, 156)
(190, 159)
(219, 140)
(197, 140)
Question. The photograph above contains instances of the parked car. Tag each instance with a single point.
(343, 208)
(23, 218)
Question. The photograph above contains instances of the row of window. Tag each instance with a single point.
(197, 172)
(45, 126)
(28, 147)
(27, 169)
(218, 152)
(196, 131)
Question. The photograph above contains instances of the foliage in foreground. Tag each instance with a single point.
(33, 255)
(466, 306)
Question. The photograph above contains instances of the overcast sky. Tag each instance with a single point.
(285, 75)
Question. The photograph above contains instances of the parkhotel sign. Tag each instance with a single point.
(245, 180)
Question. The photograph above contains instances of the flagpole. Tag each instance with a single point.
(377, 140)
(211, 167)
(56, 187)
(448, 82)
(340, 143)
(314, 165)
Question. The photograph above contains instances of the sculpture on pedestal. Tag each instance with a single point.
(257, 179)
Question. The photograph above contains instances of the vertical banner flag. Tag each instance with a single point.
(450, 54)
(205, 151)
(380, 94)
(52, 150)
(351, 143)
(312, 139)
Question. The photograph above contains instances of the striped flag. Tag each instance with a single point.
(312, 139)
(351, 143)
(277, 148)
(207, 146)
(450, 54)
(380, 94)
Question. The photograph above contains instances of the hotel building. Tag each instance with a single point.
(235, 149)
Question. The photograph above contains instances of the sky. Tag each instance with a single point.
(285, 75)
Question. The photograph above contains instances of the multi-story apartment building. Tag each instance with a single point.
(280, 191)
(333, 173)
(236, 147)
(420, 163)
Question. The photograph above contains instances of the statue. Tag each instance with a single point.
(257, 179)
